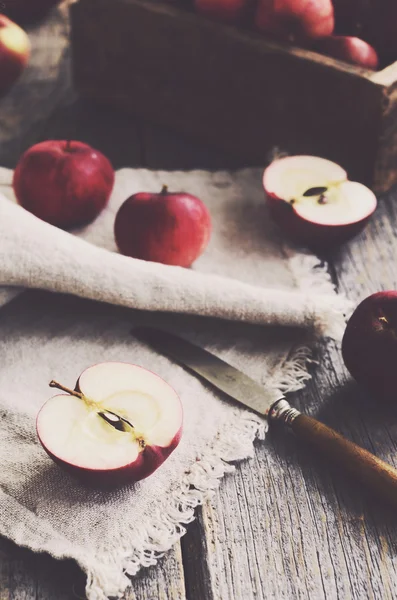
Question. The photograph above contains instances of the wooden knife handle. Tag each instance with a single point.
(374, 473)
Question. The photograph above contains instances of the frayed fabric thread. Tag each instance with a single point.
(234, 443)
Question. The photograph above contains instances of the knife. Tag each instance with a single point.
(374, 473)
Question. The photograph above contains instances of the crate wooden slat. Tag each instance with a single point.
(233, 88)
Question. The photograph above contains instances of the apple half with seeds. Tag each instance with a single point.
(118, 425)
(314, 203)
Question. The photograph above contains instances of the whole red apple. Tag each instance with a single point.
(167, 227)
(118, 425)
(65, 183)
(14, 52)
(295, 20)
(349, 49)
(369, 345)
(374, 21)
(313, 202)
(28, 11)
(229, 11)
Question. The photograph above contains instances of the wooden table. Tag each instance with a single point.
(309, 533)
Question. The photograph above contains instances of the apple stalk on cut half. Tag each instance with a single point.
(118, 425)
(314, 203)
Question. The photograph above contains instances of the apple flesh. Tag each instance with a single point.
(369, 345)
(313, 202)
(28, 11)
(228, 11)
(349, 49)
(118, 426)
(65, 183)
(14, 53)
(169, 228)
(295, 20)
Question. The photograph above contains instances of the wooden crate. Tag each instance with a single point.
(234, 89)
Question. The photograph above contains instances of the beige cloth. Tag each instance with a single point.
(247, 276)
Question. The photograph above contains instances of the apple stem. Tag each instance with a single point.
(55, 384)
(68, 146)
(164, 190)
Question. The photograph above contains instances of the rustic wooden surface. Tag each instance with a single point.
(242, 93)
(284, 526)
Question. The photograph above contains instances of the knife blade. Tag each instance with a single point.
(212, 369)
(379, 477)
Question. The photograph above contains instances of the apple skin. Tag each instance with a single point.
(375, 21)
(14, 53)
(315, 236)
(228, 11)
(349, 49)
(369, 345)
(169, 228)
(28, 11)
(295, 20)
(66, 184)
(149, 460)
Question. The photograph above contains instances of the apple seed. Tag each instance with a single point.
(315, 191)
(112, 418)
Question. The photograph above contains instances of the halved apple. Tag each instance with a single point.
(119, 424)
(314, 203)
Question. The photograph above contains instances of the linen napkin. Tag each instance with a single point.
(247, 278)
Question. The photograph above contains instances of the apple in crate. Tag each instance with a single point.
(313, 202)
(118, 425)
(295, 20)
(14, 52)
(65, 183)
(172, 228)
(349, 49)
(369, 345)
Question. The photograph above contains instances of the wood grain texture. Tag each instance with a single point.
(287, 525)
(39, 92)
(232, 88)
(378, 477)
(284, 526)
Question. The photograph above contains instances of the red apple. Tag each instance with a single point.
(312, 201)
(118, 426)
(168, 227)
(64, 183)
(375, 21)
(295, 20)
(229, 11)
(369, 345)
(349, 49)
(380, 28)
(14, 52)
(27, 11)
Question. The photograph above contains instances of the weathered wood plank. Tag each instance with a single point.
(28, 576)
(231, 88)
(41, 89)
(165, 581)
(42, 106)
(286, 525)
